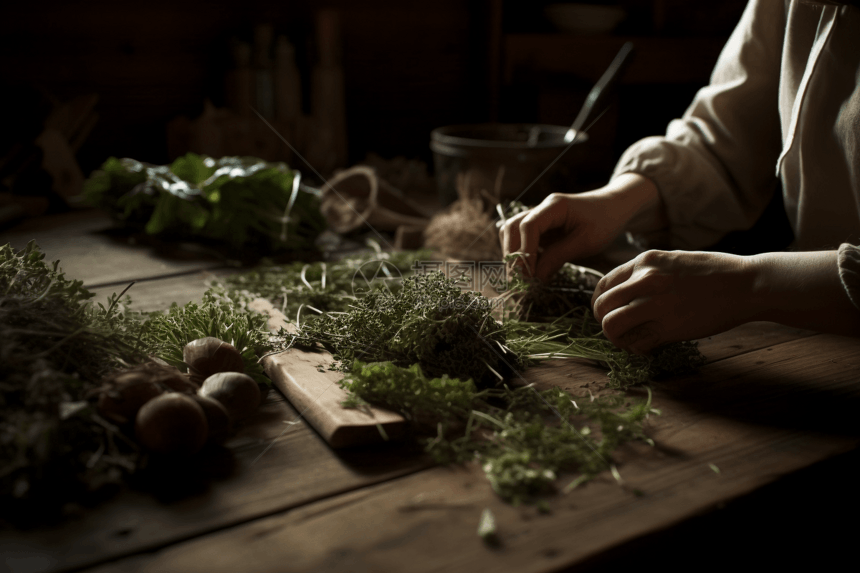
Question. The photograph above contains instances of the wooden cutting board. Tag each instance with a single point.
(312, 388)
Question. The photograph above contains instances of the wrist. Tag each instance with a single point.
(760, 303)
(803, 289)
(637, 201)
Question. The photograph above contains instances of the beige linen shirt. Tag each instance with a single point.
(783, 103)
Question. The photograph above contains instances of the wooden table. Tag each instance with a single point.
(773, 405)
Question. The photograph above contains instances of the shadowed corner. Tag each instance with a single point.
(791, 401)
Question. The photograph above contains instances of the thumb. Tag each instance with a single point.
(553, 258)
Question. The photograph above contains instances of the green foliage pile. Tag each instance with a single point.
(438, 355)
(54, 348)
(241, 201)
(523, 438)
(429, 321)
(164, 335)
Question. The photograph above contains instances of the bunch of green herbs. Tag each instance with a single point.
(241, 201)
(428, 321)
(438, 355)
(55, 346)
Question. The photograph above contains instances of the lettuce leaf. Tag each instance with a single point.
(244, 202)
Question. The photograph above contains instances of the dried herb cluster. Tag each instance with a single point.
(436, 354)
(54, 348)
(429, 321)
(59, 352)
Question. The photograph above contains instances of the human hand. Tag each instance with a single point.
(562, 228)
(565, 227)
(669, 296)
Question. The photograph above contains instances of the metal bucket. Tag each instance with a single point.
(501, 156)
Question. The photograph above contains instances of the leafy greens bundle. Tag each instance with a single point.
(241, 201)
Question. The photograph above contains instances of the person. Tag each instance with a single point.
(783, 106)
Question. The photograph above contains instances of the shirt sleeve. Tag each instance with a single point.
(716, 166)
(848, 259)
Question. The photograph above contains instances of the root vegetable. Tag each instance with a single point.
(238, 393)
(121, 403)
(179, 382)
(172, 424)
(217, 418)
(208, 356)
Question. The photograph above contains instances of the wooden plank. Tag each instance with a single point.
(313, 389)
(159, 294)
(88, 251)
(747, 338)
(740, 414)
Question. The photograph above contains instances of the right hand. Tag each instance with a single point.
(562, 228)
(566, 227)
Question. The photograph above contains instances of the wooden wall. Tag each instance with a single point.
(408, 67)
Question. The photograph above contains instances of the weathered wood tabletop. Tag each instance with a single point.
(770, 402)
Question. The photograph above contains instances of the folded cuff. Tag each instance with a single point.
(848, 259)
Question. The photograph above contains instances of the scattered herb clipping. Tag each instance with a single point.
(438, 355)
(324, 286)
(487, 527)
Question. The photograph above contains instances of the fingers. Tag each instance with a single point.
(610, 280)
(509, 234)
(523, 232)
(633, 328)
(627, 302)
(553, 258)
(548, 215)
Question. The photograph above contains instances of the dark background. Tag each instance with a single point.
(409, 66)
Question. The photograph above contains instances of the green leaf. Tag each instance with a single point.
(193, 168)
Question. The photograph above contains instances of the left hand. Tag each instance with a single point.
(669, 296)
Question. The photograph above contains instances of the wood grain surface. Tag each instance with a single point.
(753, 417)
(770, 401)
(91, 250)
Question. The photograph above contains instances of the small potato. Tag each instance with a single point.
(208, 356)
(217, 417)
(121, 403)
(172, 424)
(238, 393)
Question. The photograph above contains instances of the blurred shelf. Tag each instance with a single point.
(656, 60)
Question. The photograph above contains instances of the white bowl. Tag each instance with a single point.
(584, 18)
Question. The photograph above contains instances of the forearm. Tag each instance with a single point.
(635, 203)
(802, 290)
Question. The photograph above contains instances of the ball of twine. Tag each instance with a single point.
(466, 230)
